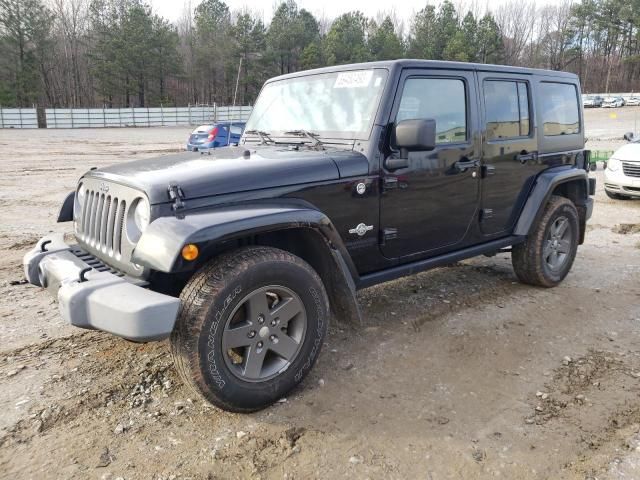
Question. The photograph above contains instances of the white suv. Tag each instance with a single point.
(622, 175)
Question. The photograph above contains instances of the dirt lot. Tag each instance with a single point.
(460, 372)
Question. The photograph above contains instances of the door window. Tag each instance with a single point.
(507, 109)
(236, 130)
(442, 99)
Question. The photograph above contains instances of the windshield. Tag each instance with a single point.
(333, 105)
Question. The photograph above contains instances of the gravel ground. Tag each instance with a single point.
(460, 372)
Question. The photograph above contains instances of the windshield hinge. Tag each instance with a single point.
(176, 195)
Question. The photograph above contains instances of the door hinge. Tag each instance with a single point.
(176, 195)
(486, 213)
(389, 183)
(488, 170)
(387, 234)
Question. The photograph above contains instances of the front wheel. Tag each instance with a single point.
(546, 256)
(250, 327)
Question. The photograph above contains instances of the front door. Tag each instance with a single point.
(428, 207)
(510, 153)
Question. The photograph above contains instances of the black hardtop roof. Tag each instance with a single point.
(433, 64)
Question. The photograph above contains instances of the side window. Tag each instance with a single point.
(442, 99)
(560, 113)
(507, 109)
(236, 130)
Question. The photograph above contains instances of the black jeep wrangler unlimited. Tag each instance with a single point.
(344, 178)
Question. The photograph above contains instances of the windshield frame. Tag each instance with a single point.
(325, 134)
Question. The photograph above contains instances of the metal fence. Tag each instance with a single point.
(122, 117)
(18, 118)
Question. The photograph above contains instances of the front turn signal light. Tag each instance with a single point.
(190, 252)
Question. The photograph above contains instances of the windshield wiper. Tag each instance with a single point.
(264, 136)
(306, 133)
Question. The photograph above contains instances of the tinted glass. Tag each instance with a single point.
(340, 104)
(560, 114)
(503, 111)
(442, 99)
(236, 130)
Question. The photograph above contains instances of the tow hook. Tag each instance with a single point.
(82, 273)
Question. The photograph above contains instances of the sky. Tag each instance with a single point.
(173, 9)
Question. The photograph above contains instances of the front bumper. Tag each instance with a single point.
(618, 182)
(194, 147)
(102, 299)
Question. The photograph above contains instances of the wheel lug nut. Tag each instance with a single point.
(259, 344)
(252, 334)
(272, 338)
(273, 323)
(260, 318)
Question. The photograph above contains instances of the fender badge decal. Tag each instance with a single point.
(361, 229)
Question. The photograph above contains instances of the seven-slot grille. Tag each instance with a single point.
(631, 169)
(102, 222)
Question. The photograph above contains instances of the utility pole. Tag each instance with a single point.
(234, 102)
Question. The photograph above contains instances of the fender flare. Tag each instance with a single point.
(66, 210)
(541, 192)
(160, 246)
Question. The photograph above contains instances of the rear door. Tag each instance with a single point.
(427, 208)
(236, 132)
(509, 148)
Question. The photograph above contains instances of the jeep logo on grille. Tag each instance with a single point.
(104, 187)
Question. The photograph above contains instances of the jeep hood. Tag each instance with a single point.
(230, 170)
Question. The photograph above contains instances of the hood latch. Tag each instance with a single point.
(176, 195)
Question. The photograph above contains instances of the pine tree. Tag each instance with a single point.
(489, 41)
(345, 42)
(24, 36)
(383, 42)
(423, 33)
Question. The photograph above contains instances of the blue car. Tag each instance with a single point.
(215, 135)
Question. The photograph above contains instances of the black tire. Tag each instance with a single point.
(533, 259)
(221, 296)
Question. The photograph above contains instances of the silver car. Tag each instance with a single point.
(613, 102)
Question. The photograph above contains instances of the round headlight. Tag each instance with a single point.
(142, 214)
(78, 203)
(613, 164)
(138, 218)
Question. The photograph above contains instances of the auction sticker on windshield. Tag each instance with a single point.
(356, 79)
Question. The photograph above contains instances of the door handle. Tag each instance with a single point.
(465, 164)
(524, 157)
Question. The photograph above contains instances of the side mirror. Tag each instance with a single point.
(629, 136)
(415, 135)
(411, 136)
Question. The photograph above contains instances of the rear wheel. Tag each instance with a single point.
(547, 255)
(250, 328)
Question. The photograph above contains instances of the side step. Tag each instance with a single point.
(393, 273)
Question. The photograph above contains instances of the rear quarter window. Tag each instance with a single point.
(560, 111)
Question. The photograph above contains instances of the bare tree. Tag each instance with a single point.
(71, 28)
(516, 20)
